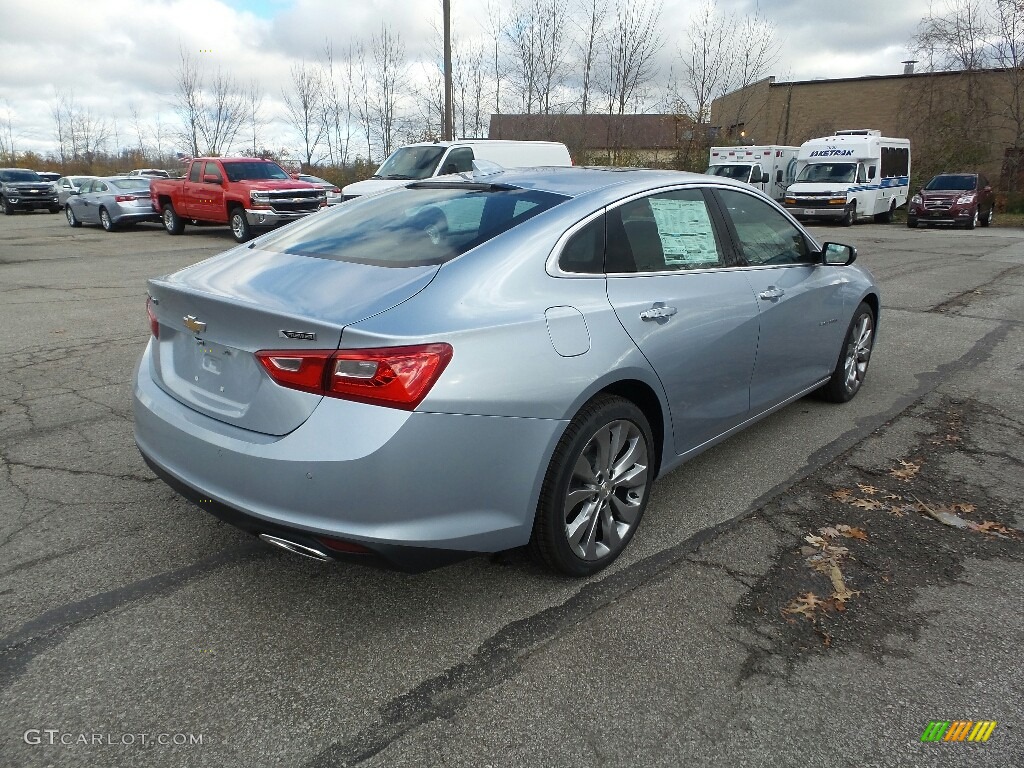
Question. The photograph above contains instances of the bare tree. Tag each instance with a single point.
(633, 43)
(595, 15)
(188, 101)
(223, 113)
(254, 117)
(495, 32)
(304, 101)
(390, 69)
(1008, 53)
(8, 154)
(336, 105)
(363, 104)
(523, 35)
(552, 49)
(705, 68)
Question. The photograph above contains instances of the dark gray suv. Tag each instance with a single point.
(22, 189)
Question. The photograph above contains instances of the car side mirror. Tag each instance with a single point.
(871, 171)
(211, 179)
(837, 254)
(778, 177)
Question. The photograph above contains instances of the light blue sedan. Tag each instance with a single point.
(110, 201)
(490, 360)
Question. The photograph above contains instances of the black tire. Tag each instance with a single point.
(852, 366)
(606, 511)
(55, 209)
(172, 221)
(986, 220)
(912, 223)
(974, 220)
(72, 219)
(106, 222)
(240, 229)
(9, 209)
(851, 215)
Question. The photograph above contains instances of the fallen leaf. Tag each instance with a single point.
(965, 508)
(892, 497)
(829, 532)
(908, 472)
(816, 541)
(870, 490)
(843, 494)
(867, 503)
(995, 529)
(805, 605)
(853, 533)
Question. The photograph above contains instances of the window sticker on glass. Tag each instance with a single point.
(687, 238)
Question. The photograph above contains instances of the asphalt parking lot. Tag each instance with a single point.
(812, 592)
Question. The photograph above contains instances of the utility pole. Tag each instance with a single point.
(449, 122)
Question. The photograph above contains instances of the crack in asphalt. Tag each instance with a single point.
(499, 657)
(20, 647)
(963, 297)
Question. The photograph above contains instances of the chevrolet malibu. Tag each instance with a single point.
(490, 360)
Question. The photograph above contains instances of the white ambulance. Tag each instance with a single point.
(770, 168)
(437, 158)
(850, 176)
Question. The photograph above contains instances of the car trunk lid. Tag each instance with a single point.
(213, 318)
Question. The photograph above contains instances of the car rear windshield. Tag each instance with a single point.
(19, 176)
(254, 171)
(413, 226)
(132, 184)
(960, 182)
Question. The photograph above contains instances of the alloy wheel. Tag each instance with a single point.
(606, 492)
(858, 352)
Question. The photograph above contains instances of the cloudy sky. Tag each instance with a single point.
(118, 55)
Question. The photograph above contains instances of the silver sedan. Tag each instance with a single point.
(484, 362)
(111, 201)
(68, 186)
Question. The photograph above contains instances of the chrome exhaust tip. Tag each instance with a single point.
(295, 549)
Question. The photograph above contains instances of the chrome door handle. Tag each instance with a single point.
(657, 312)
(771, 294)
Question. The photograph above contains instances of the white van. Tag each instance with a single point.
(770, 169)
(428, 159)
(850, 176)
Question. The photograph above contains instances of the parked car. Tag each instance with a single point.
(247, 194)
(68, 186)
(48, 175)
(961, 199)
(466, 365)
(111, 201)
(151, 172)
(22, 189)
(333, 192)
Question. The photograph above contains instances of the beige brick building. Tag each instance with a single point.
(961, 119)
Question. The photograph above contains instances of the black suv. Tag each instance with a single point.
(22, 189)
(961, 199)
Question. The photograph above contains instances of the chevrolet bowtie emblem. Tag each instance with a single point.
(196, 326)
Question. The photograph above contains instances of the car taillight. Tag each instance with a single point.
(125, 198)
(335, 191)
(154, 324)
(397, 377)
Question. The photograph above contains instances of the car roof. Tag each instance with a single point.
(573, 181)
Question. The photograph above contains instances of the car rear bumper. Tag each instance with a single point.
(131, 217)
(414, 488)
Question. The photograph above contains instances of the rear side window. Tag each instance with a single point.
(584, 253)
(134, 185)
(414, 226)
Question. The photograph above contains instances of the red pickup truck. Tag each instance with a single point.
(243, 192)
